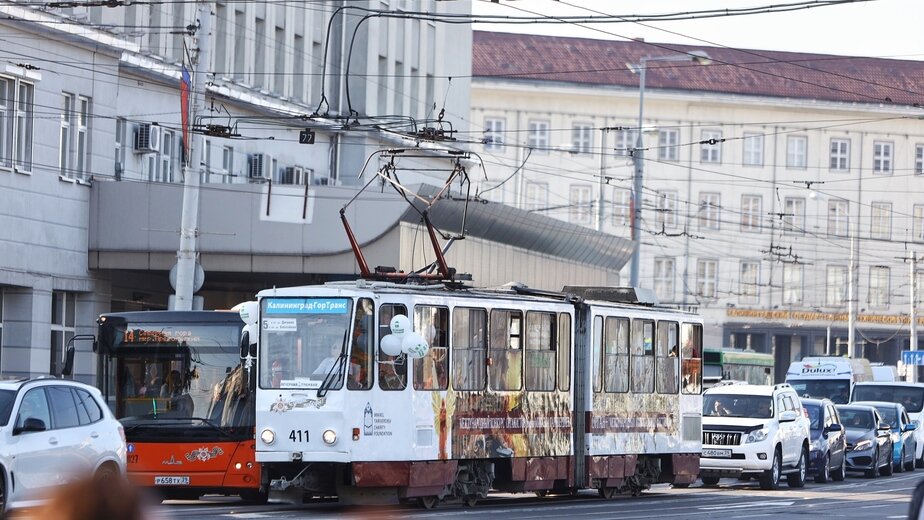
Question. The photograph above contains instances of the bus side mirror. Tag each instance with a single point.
(68, 361)
(245, 343)
(249, 341)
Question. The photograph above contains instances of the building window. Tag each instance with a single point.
(582, 138)
(16, 106)
(668, 145)
(878, 286)
(622, 201)
(711, 148)
(838, 218)
(74, 133)
(836, 286)
(750, 213)
(538, 136)
(918, 289)
(794, 215)
(753, 149)
(882, 157)
(840, 155)
(63, 307)
(917, 226)
(708, 214)
(227, 165)
(120, 147)
(919, 159)
(165, 168)
(205, 165)
(667, 209)
(580, 202)
(537, 196)
(67, 123)
(749, 287)
(707, 274)
(81, 150)
(796, 151)
(881, 220)
(494, 134)
(664, 279)
(625, 143)
(792, 283)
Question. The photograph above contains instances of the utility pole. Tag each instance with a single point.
(913, 339)
(600, 197)
(851, 297)
(186, 255)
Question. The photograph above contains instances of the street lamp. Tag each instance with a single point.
(698, 57)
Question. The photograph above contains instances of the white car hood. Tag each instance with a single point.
(740, 422)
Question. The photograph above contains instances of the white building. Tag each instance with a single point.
(758, 170)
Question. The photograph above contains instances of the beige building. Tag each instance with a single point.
(759, 170)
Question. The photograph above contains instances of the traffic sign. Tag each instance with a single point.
(913, 357)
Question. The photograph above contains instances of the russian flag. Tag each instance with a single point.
(185, 86)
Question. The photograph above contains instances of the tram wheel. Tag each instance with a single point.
(428, 502)
(607, 493)
(542, 493)
(470, 500)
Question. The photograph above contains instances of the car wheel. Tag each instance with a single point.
(824, 472)
(797, 479)
(909, 466)
(874, 471)
(886, 469)
(2, 494)
(770, 479)
(841, 472)
(900, 467)
(710, 481)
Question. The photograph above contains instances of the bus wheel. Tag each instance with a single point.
(428, 502)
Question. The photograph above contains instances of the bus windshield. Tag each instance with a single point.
(837, 390)
(911, 397)
(303, 341)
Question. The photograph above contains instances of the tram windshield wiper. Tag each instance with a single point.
(336, 370)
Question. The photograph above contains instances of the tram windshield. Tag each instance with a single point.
(304, 342)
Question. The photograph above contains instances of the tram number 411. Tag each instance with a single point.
(306, 137)
(298, 435)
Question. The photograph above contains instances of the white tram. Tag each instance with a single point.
(508, 389)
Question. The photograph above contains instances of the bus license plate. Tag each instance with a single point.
(716, 453)
(171, 481)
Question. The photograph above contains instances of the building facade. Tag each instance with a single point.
(775, 186)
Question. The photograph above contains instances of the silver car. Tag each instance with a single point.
(51, 432)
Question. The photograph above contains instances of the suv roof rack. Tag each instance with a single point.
(780, 386)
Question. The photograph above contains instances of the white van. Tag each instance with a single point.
(884, 373)
(910, 395)
(828, 377)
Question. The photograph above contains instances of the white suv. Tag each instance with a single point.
(754, 431)
(52, 431)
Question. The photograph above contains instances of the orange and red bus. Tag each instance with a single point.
(176, 382)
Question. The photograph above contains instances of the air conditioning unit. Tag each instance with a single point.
(293, 175)
(259, 167)
(147, 138)
(322, 181)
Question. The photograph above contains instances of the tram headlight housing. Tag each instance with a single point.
(330, 437)
(268, 436)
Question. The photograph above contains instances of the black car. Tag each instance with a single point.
(828, 441)
(869, 440)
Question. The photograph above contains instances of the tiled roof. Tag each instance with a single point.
(732, 71)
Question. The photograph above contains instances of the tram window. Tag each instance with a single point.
(597, 361)
(564, 352)
(431, 372)
(691, 363)
(392, 369)
(506, 354)
(469, 348)
(540, 350)
(616, 339)
(362, 357)
(667, 351)
(642, 356)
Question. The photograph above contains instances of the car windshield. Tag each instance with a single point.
(856, 419)
(7, 397)
(814, 413)
(889, 415)
(911, 397)
(729, 405)
(837, 390)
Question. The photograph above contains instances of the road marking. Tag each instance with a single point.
(750, 504)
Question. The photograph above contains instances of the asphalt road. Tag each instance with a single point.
(856, 498)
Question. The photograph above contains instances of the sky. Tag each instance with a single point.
(873, 28)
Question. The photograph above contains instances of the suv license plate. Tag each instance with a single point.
(716, 453)
(171, 481)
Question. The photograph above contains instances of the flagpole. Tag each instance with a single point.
(187, 254)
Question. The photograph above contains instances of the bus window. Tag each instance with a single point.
(597, 361)
(617, 354)
(431, 372)
(691, 362)
(361, 356)
(540, 350)
(642, 356)
(564, 351)
(392, 369)
(469, 348)
(506, 371)
(667, 350)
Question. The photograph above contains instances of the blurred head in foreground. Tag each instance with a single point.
(95, 499)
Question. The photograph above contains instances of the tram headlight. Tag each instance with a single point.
(330, 437)
(268, 436)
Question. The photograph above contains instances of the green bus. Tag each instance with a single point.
(725, 364)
